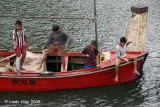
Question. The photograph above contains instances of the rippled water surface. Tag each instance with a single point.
(113, 18)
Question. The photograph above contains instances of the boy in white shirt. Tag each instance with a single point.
(121, 49)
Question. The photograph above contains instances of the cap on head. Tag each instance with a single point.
(18, 22)
(94, 43)
(123, 40)
(55, 27)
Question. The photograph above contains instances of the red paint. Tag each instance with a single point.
(69, 80)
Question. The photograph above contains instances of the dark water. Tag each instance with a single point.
(113, 18)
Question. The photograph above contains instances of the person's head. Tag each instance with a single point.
(123, 41)
(93, 44)
(56, 28)
(18, 24)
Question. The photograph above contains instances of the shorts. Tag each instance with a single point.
(20, 50)
(87, 66)
(124, 56)
(54, 48)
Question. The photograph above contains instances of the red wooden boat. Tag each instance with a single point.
(76, 77)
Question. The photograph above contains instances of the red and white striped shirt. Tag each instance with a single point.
(20, 38)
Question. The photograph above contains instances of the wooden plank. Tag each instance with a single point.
(53, 61)
(7, 57)
(9, 61)
(3, 50)
(76, 59)
(75, 62)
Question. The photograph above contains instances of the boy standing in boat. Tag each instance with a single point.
(121, 55)
(20, 43)
(57, 42)
(91, 55)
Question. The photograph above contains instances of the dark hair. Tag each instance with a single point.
(55, 27)
(94, 43)
(18, 22)
(123, 40)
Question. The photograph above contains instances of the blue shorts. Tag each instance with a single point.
(87, 66)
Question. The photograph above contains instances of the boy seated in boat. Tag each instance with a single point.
(121, 55)
(57, 41)
(91, 55)
(20, 43)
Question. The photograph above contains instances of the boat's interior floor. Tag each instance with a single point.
(3, 69)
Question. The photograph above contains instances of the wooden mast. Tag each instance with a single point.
(95, 22)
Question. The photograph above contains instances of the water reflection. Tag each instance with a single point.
(124, 94)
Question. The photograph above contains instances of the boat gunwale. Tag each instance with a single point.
(75, 74)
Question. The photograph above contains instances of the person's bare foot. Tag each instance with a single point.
(136, 72)
(38, 68)
(23, 69)
(18, 73)
(116, 79)
(64, 70)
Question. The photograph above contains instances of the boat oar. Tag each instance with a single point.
(15, 54)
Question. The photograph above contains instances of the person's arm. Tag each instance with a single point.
(49, 41)
(14, 39)
(14, 43)
(69, 39)
(84, 53)
(26, 39)
(125, 59)
(97, 58)
(128, 43)
(118, 55)
(27, 43)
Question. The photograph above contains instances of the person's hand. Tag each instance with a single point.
(66, 45)
(43, 48)
(86, 55)
(14, 46)
(131, 41)
(126, 60)
(27, 48)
